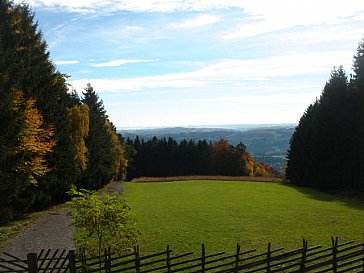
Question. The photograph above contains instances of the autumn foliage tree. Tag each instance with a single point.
(227, 159)
(120, 162)
(26, 163)
(78, 119)
(35, 142)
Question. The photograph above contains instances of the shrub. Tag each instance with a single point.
(101, 221)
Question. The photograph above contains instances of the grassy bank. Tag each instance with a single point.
(222, 213)
(205, 177)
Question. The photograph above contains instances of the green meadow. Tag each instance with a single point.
(220, 214)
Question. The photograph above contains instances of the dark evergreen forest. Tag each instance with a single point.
(166, 157)
(327, 147)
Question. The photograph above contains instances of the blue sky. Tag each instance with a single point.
(201, 62)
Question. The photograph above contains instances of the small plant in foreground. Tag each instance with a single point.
(101, 221)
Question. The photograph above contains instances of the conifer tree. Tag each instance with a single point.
(318, 154)
(357, 91)
(300, 161)
(101, 158)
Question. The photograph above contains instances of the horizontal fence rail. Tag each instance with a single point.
(340, 257)
(46, 261)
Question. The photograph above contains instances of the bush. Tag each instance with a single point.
(101, 221)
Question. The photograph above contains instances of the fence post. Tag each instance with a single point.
(203, 258)
(137, 260)
(334, 253)
(72, 261)
(83, 258)
(107, 261)
(32, 263)
(269, 254)
(363, 255)
(304, 256)
(237, 258)
(168, 259)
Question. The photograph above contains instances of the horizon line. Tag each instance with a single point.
(206, 126)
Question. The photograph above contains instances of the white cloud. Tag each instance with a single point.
(66, 62)
(84, 6)
(298, 11)
(267, 16)
(260, 99)
(199, 21)
(302, 12)
(115, 63)
(134, 28)
(235, 71)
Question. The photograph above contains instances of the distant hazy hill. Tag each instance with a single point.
(267, 143)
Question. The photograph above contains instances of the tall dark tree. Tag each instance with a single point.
(98, 142)
(357, 98)
(11, 121)
(301, 150)
(318, 153)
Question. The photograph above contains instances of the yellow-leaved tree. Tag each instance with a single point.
(34, 142)
(120, 162)
(78, 120)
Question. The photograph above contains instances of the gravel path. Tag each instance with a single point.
(53, 231)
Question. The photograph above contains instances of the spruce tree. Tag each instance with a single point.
(101, 158)
(300, 158)
(357, 92)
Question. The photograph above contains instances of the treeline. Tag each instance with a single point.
(327, 147)
(50, 138)
(165, 157)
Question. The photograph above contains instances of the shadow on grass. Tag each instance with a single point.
(348, 199)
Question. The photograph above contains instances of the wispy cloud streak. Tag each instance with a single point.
(115, 63)
(66, 62)
(199, 21)
(230, 72)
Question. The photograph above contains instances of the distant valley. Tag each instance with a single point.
(267, 143)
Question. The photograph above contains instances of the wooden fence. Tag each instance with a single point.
(340, 257)
(45, 261)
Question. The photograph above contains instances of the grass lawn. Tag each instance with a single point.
(220, 214)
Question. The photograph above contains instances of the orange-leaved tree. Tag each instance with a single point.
(34, 141)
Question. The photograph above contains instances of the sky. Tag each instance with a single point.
(162, 63)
